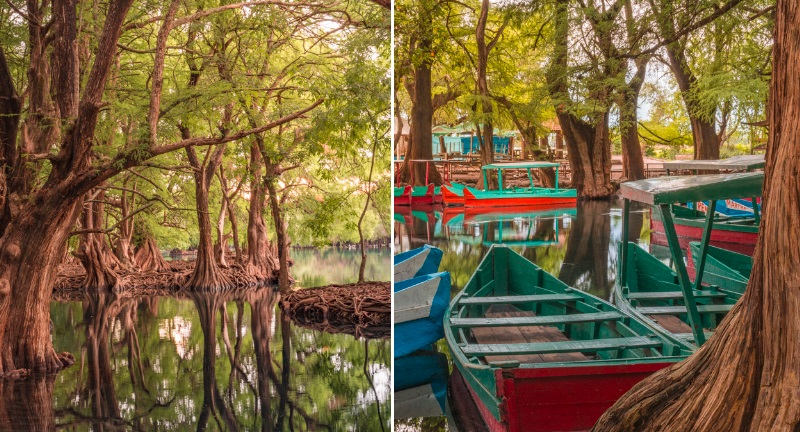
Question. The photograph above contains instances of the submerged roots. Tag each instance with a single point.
(342, 308)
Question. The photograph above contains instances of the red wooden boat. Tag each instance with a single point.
(538, 355)
(734, 234)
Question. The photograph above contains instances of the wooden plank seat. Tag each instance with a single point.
(669, 295)
(678, 310)
(518, 299)
(536, 320)
(571, 346)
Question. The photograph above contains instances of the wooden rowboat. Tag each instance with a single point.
(419, 306)
(420, 385)
(417, 262)
(651, 291)
(738, 234)
(538, 355)
(726, 269)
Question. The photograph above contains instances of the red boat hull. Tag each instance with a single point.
(560, 398)
(741, 242)
(450, 198)
(516, 202)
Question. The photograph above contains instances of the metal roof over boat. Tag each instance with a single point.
(669, 190)
(736, 163)
(522, 165)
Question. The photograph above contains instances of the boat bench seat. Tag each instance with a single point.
(536, 320)
(482, 350)
(518, 299)
(678, 310)
(668, 295)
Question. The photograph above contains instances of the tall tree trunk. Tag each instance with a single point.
(282, 237)
(421, 142)
(260, 261)
(482, 86)
(93, 252)
(32, 248)
(207, 273)
(706, 141)
(745, 377)
(588, 146)
(368, 190)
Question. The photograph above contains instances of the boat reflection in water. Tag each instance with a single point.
(575, 244)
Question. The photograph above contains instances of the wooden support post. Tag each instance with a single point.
(756, 212)
(530, 178)
(485, 180)
(427, 172)
(626, 210)
(698, 279)
(683, 276)
(499, 179)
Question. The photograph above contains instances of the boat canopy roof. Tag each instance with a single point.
(669, 190)
(522, 165)
(747, 162)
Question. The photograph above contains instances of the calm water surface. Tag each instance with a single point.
(578, 245)
(209, 362)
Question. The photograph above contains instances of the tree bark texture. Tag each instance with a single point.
(745, 377)
(260, 260)
(421, 142)
(148, 256)
(588, 145)
(207, 274)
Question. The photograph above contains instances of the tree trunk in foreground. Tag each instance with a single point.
(32, 248)
(745, 377)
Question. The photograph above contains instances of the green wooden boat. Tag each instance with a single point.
(531, 348)
(651, 290)
(459, 194)
(417, 195)
(729, 270)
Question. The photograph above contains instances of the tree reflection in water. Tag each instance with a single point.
(205, 361)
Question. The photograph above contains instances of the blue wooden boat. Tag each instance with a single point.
(420, 385)
(416, 262)
(419, 305)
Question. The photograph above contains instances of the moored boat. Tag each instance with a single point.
(649, 289)
(416, 262)
(538, 355)
(417, 195)
(419, 305)
(738, 234)
(420, 385)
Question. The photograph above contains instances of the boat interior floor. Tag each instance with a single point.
(671, 323)
(526, 334)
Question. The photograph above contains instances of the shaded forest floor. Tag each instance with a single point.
(359, 309)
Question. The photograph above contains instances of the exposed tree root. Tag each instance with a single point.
(72, 278)
(363, 305)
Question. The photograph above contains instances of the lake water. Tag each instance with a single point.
(578, 245)
(209, 362)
